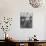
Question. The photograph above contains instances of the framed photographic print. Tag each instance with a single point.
(26, 20)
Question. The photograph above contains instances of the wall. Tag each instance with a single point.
(12, 8)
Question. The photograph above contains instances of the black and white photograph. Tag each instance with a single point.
(26, 21)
